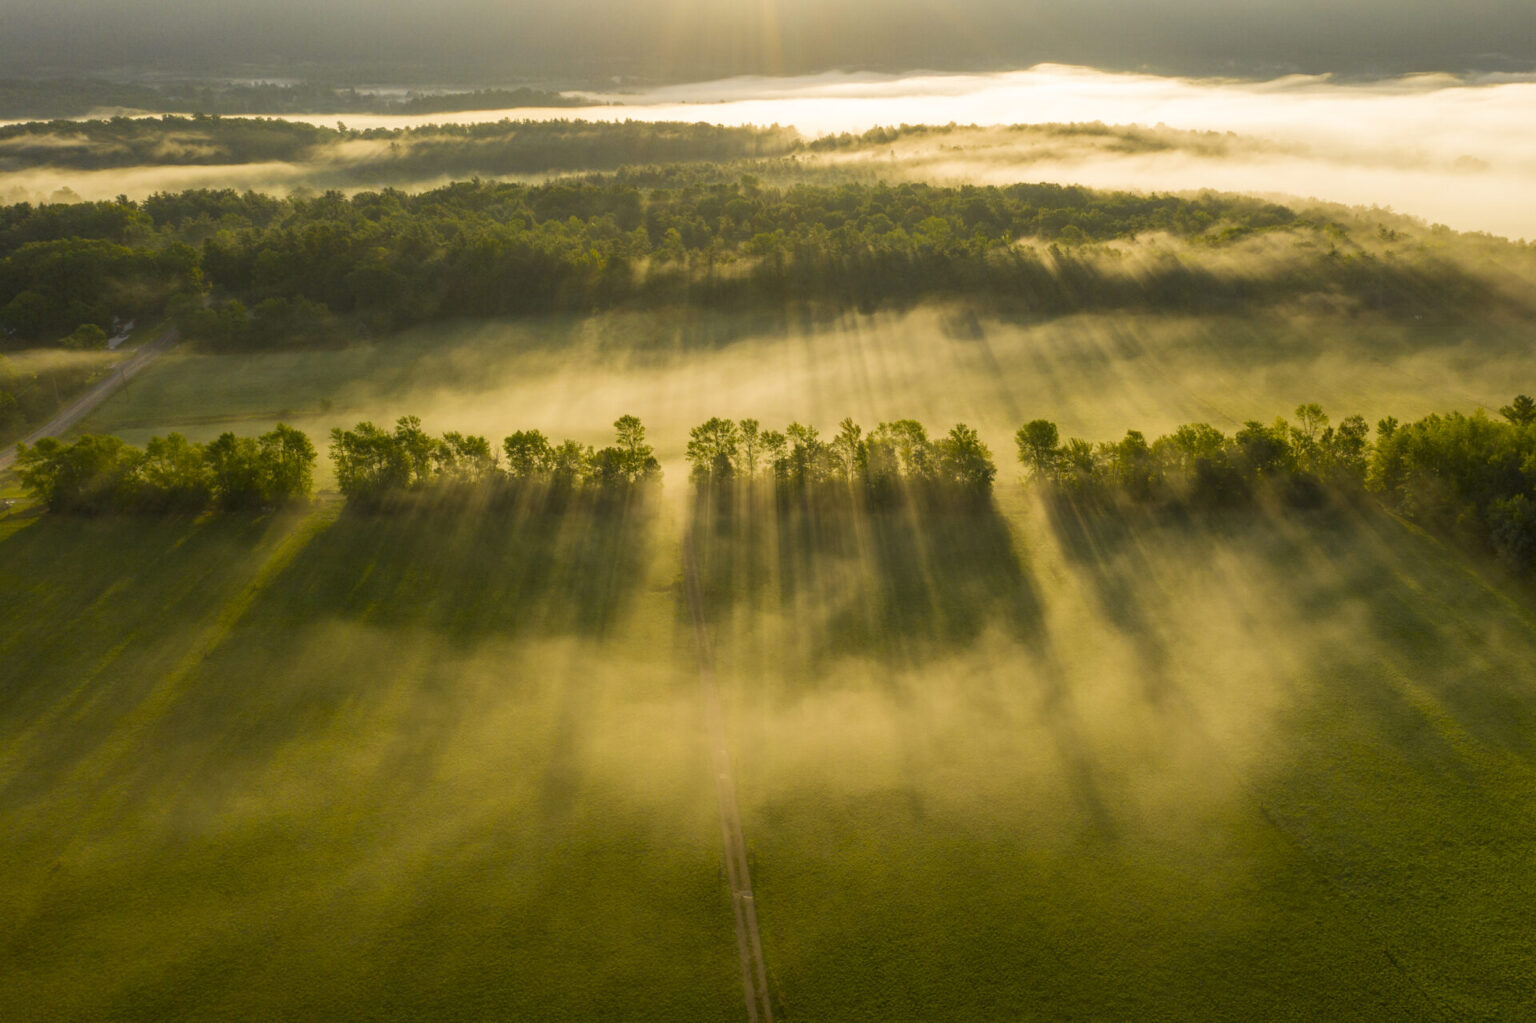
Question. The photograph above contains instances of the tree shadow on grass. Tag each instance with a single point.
(127, 631)
(531, 562)
(73, 588)
(900, 580)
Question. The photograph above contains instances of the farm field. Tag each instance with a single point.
(996, 762)
(1044, 767)
(453, 765)
(311, 765)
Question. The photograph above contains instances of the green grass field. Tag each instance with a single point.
(335, 767)
(1277, 770)
(1008, 764)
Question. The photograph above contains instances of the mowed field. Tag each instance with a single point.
(1011, 763)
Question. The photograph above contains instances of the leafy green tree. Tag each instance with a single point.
(750, 431)
(636, 459)
(570, 463)
(1512, 529)
(712, 449)
(175, 474)
(807, 459)
(369, 463)
(88, 337)
(529, 455)
(966, 461)
(464, 460)
(1264, 450)
(1521, 411)
(848, 449)
(1038, 442)
(235, 465)
(287, 459)
(416, 449)
(905, 442)
(96, 473)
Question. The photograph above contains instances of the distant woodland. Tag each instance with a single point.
(78, 97)
(247, 270)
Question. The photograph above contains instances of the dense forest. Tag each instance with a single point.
(79, 97)
(306, 269)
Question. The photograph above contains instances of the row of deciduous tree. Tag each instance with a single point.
(1474, 476)
(881, 463)
(375, 466)
(98, 473)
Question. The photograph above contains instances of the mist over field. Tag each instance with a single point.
(784, 510)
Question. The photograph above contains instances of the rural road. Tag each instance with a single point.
(749, 945)
(82, 406)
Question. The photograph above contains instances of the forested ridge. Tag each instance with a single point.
(283, 270)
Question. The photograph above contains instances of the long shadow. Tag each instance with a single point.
(900, 579)
(73, 586)
(535, 561)
(93, 613)
(102, 611)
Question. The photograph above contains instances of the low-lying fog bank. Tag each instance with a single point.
(1454, 150)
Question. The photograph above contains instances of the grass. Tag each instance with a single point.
(449, 765)
(997, 764)
(1264, 770)
(313, 766)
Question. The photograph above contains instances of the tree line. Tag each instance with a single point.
(79, 97)
(491, 147)
(101, 473)
(1472, 476)
(377, 467)
(307, 269)
(892, 460)
(374, 467)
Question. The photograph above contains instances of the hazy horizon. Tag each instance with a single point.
(674, 40)
(1446, 149)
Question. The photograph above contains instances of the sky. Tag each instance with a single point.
(694, 39)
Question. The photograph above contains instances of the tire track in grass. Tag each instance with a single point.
(749, 944)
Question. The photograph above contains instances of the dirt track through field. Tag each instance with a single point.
(86, 403)
(749, 945)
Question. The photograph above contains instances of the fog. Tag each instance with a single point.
(1451, 150)
(1454, 150)
(1096, 375)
